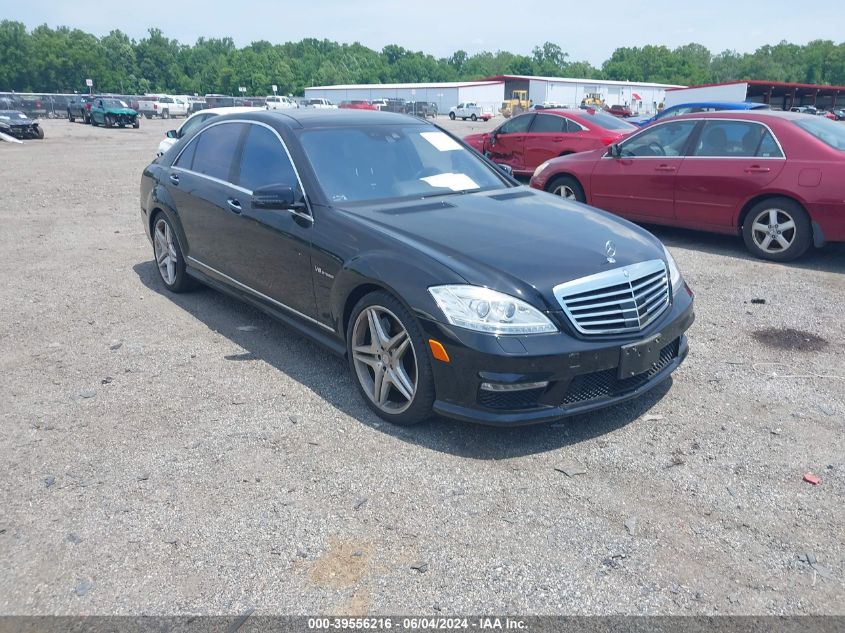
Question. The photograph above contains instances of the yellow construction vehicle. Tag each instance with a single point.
(517, 104)
(592, 100)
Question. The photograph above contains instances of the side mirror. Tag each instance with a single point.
(506, 168)
(280, 197)
(171, 134)
(615, 152)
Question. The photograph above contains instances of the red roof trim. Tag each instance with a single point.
(761, 82)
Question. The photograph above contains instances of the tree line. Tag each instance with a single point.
(61, 59)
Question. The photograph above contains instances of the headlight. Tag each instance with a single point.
(540, 169)
(485, 310)
(674, 273)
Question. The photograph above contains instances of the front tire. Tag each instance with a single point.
(39, 133)
(567, 187)
(389, 360)
(168, 256)
(777, 229)
(70, 117)
(474, 118)
(165, 114)
(107, 121)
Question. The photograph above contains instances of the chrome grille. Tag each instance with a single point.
(616, 301)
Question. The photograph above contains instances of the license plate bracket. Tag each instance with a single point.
(638, 358)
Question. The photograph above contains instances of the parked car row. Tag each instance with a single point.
(773, 177)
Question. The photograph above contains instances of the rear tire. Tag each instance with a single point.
(566, 187)
(452, 115)
(406, 361)
(777, 229)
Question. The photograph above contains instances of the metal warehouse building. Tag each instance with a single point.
(642, 97)
(488, 94)
(780, 94)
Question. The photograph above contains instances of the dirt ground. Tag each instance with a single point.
(161, 458)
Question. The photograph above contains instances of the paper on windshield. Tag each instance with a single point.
(455, 182)
(441, 141)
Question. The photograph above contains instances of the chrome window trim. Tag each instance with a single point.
(261, 294)
(308, 216)
(687, 156)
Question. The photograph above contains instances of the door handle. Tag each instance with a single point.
(665, 168)
(234, 205)
(174, 178)
(756, 169)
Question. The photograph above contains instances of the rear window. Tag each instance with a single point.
(827, 131)
(607, 121)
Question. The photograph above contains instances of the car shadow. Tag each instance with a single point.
(328, 376)
(830, 258)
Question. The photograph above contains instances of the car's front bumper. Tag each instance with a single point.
(580, 374)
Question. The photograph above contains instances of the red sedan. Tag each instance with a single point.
(357, 104)
(527, 140)
(776, 178)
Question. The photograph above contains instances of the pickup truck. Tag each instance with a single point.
(473, 111)
(279, 102)
(163, 106)
(324, 104)
(79, 107)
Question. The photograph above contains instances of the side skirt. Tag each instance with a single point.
(322, 338)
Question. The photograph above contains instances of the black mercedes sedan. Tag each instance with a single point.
(449, 287)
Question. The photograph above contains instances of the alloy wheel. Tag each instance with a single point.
(384, 359)
(164, 246)
(565, 191)
(773, 230)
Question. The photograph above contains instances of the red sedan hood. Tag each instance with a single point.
(476, 141)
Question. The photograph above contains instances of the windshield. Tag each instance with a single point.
(11, 114)
(607, 121)
(825, 130)
(114, 103)
(393, 161)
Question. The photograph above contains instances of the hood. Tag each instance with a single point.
(476, 141)
(16, 121)
(128, 111)
(519, 241)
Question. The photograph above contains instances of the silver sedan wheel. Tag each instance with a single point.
(565, 191)
(384, 359)
(773, 230)
(165, 251)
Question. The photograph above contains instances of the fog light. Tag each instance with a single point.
(519, 386)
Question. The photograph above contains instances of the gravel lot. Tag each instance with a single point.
(186, 454)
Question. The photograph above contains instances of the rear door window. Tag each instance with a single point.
(517, 125)
(736, 139)
(215, 150)
(264, 161)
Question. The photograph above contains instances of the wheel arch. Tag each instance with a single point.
(745, 209)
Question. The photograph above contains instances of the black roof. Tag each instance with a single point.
(317, 117)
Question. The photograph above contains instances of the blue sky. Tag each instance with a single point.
(588, 30)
